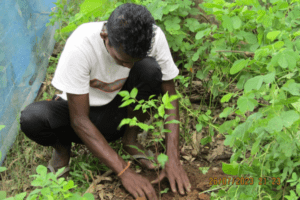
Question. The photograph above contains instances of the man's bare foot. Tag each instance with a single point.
(60, 158)
(143, 162)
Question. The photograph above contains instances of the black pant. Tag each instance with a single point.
(48, 122)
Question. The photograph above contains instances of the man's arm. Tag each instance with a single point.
(173, 168)
(89, 134)
(172, 139)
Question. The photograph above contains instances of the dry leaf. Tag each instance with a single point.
(188, 158)
(25, 187)
(109, 195)
(138, 170)
(101, 194)
(189, 147)
(141, 198)
(86, 177)
(194, 152)
(182, 149)
(216, 152)
(215, 169)
(100, 187)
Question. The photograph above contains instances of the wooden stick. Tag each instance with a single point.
(91, 189)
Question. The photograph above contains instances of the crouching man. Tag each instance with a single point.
(99, 60)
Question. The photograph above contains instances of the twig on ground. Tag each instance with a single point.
(91, 189)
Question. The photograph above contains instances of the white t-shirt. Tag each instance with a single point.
(85, 66)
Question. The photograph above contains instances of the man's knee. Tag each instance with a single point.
(32, 115)
(150, 70)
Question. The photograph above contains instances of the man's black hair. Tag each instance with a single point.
(131, 26)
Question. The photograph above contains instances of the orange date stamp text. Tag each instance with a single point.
(243, 181)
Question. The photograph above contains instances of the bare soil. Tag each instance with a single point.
(112, 189)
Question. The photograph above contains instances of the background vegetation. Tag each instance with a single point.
(248, 65)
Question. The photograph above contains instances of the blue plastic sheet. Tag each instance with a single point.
(25, 47)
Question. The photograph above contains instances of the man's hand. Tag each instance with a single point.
(175, 173)
(137, 185)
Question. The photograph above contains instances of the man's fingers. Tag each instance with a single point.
(150, 192)
(160, 177)
(173, 184)
(140, 193)
(134, 193)
(187, 183)
(180, 186)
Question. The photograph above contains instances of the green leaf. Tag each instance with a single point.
(199, 127)
(298, 189)
(3, 194)
(205, 140)
(292, 196)
(204, 170)
(123, 93)
(211, 5)
(267, 21)
(164, 191)
(238, 66)
(135, 147)
(255, 147)
(282, 61)
(126, 103)
(292, 88)
(253, 83)
(174, 97)
(275, 124)
(208, 112)
(165, 98)
(227, 23)
(289, 117)
(269, 78)
(172, 24)
(161, 110)
(152, 96)
(230, 169)
(278, 45)
(226, 98)
(286, 59)
(294, 176)
(169, 106)
(20, 196)
(2, 127)
(200, 35)
(133, 93)
(42, 170)
(137, 107)
(174, 121)
(143, 126)
(45, 191)
(225, 112)
(162, 159)
(272, 35)
(133, 122)
(166, 131)
(123, 122)
(249, 37)
(236, 22)
(246, 104)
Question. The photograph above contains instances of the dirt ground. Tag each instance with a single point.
(110, 188)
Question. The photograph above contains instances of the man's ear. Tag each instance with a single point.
(103, 35)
